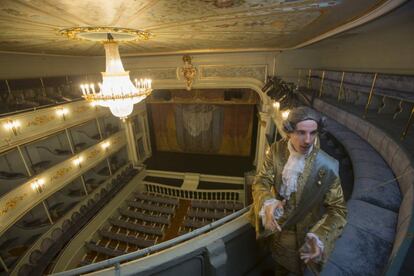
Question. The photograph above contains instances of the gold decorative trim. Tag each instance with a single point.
(93, 154)
(59, 173)
(11, 204)
(127, 33)
(39, 120)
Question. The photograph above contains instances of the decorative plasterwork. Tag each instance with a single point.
(182, 26)
(155, 73)
(40, 120)
(100, 33)
(258, 72)
(11, 204)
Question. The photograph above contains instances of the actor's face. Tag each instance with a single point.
(304, 135)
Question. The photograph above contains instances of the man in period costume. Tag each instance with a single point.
(298, 200)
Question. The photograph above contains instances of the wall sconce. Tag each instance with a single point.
(38, 185)
(62, 112)
(105, 145)
(12, 125)
(285, 114)
(77, 161)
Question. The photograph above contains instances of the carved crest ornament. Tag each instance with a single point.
(188, 71)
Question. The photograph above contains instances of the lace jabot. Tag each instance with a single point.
(291, 171)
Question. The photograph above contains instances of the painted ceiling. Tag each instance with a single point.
(176, 26)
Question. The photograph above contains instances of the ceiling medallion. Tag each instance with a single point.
(100, 33)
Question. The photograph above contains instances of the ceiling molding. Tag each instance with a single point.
(372, 15)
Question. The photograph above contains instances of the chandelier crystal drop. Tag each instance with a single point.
(116, 90)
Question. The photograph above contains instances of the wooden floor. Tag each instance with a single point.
(172, 231)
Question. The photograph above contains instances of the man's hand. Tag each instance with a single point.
(311, 250)
(271, 223)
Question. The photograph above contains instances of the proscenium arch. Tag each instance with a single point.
(250, 83)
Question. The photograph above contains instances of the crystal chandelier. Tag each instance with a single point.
(116, 90)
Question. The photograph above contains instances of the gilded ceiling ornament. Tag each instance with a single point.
(100, 33)
(189, 71)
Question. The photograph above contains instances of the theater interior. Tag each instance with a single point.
(131, 131)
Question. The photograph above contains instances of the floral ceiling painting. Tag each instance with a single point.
(32, 26)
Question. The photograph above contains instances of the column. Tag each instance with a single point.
(145, 136)
(131, 145)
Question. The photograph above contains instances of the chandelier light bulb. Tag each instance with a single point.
(116, 91)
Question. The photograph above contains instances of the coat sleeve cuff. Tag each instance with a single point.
(262, 210)
(319, 243)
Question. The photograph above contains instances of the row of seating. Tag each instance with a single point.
(383, 97)
(21, 99)
(203, 212)
(140, 242)
(217, 204)
(151, 207)
(163, 218)
(368, 237)
(156, 198)
(141, 224)
(40, 258)
(136, 227)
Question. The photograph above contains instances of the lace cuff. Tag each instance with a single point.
(319, 243)
(262, 210)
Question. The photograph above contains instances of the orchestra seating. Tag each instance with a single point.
(203, 212)
(141, 223)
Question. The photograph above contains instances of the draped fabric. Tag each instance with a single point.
(203, 128)
(199, 127)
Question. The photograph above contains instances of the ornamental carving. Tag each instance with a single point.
(93, 153)
(39, 120)
(155, 73)
(234, 71)
(11, 204)
(188, 71)
(61, 172)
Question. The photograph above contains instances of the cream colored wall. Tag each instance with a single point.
(18, 66)
(385, 45)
